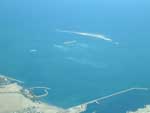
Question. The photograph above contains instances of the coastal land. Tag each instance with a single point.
(146, 109)
(14, 98)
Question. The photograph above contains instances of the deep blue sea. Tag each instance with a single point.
(32, 49)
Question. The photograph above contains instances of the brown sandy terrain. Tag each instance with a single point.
(13, 99)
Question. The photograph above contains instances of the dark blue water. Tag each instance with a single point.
(121, 104)
(97, 67)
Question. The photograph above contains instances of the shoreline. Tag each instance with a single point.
(16, 98)
(146, 109)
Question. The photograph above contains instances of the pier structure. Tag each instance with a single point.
(114, 94)
(97, 101)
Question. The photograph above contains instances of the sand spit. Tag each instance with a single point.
(142, 110)
(16, 99)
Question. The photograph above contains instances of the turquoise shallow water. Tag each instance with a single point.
(86, 70)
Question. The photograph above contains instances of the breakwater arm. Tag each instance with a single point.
(114, 94)
(82, 107)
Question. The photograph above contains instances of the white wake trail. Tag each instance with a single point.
(93, 35)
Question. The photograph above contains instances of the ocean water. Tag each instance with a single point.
(121, 104)
(33, 50)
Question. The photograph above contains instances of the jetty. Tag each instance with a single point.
(97, 100)
(45, 89)
(114, 94)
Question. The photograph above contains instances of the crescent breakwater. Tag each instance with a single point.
(15, 98)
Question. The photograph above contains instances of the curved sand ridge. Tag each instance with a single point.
(16, 99)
